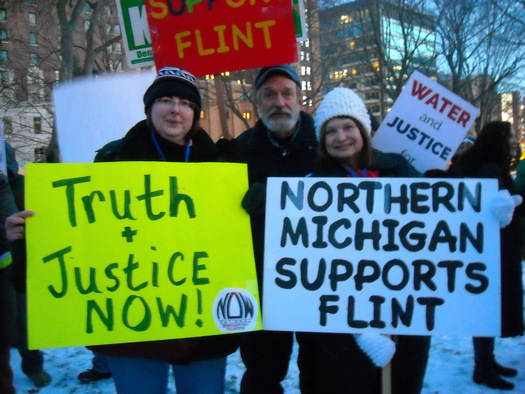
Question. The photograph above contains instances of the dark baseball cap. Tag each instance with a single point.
(283, 69)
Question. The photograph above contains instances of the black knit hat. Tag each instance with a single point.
(173, 81)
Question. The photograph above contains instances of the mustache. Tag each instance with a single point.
(280, 111)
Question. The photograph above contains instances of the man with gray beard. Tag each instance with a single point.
(281, 144)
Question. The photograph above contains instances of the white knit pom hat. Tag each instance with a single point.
(341, 102)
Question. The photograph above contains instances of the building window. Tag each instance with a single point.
(306, 70)
(247, 115)
(3, 56)
(8, 125)
(32, 2)
(37, 125)
(117, 30)
(33, 38)
(3, 15)
(40, 153)
(33, 59)
(338, 74)
(108, 28)
(5, 76)
(32, 18)
(118, 47)
(345, 19)
(86, 25)
(87, 7)
(203, 114)
(3, 35)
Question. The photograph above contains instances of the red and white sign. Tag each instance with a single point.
(210, 37)
(426, 124)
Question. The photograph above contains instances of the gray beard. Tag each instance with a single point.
(280, 126)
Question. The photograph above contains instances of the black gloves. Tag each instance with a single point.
(254, 201)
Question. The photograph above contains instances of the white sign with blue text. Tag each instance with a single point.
(426, 124)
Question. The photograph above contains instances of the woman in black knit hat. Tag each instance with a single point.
(170, 132)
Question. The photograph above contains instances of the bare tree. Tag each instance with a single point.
(372, 46)
(67, 39)
(481, 43)
(79, 47)
(238, 88)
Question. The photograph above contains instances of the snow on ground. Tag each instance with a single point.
(449, 369)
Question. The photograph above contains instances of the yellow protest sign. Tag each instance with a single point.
(136, 251)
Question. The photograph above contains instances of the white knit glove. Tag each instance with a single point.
(503, 205)
(379, 348)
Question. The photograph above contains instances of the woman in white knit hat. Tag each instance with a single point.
(352, 363)
(343, 128)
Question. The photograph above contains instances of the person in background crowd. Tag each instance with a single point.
(7, 208)
(519, 182)
(343, 128)
(490, 157)
(451, 171)
(32, 360)
(281, 144)
(467, 142)
(170, 132)
(99, 370)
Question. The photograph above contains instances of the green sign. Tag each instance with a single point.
(299, 18)
(135, 32)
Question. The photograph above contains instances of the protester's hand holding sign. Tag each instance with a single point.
(15, 225)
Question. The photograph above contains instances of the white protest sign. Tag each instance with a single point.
(91, 112)
(396, 255)
(426, 124)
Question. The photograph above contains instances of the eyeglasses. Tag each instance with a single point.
(170, 102)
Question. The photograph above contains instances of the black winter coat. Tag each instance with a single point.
(388, 165)
(137, 145)
(344, 367)
(266, 158)
(511, 270)
(7, 208)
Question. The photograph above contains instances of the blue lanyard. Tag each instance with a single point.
(353, 173)
(187, 148)
(187, 151)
